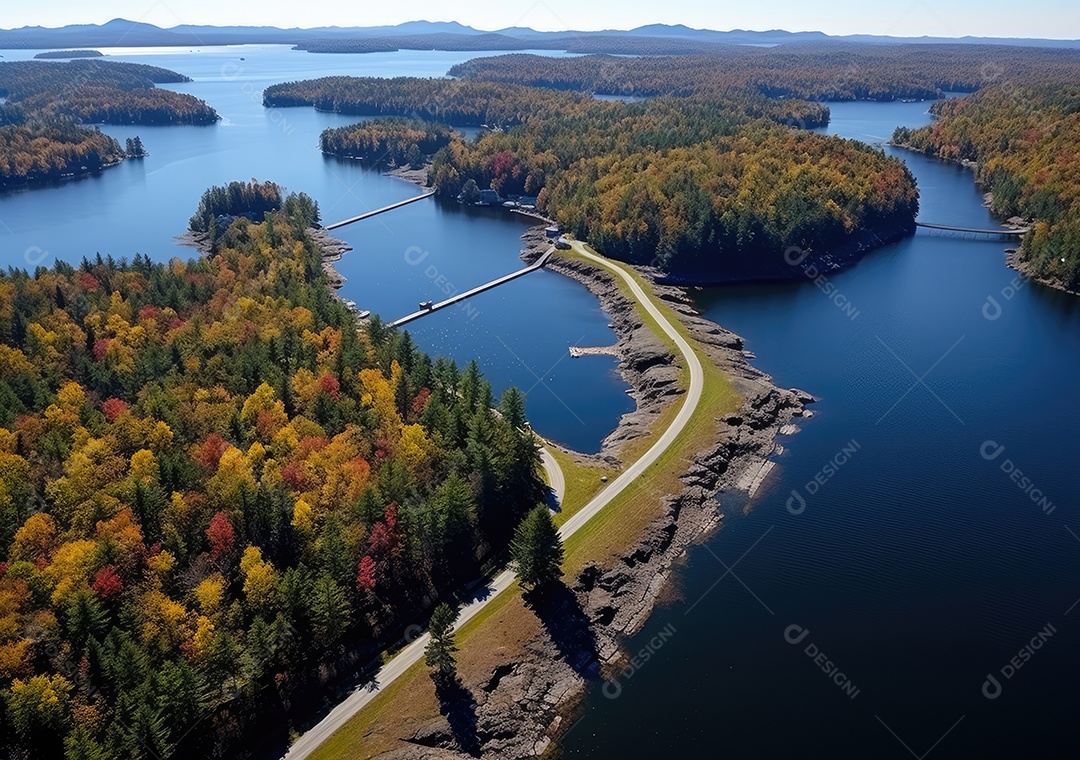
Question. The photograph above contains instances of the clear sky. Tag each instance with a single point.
(947, 18)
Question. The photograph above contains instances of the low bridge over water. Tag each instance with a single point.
(475, 291)
(376, 212)
(1003, 233)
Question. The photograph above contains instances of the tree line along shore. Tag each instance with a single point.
(47, 104)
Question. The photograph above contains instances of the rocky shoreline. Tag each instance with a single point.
(522, 706)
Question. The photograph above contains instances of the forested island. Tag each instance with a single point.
(219, 207)
(1025, 143)
(465, 104)
(68, 54)
(41, 137)
(48, 148)
(385, 142)
(705, 188)
(106, 92)
(808, 70)
(216, 490)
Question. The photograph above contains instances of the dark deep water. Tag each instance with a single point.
(919, 567)
(519, 333)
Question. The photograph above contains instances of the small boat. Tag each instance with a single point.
(426, 304)
(351, 304)
(364, 314)
(1010, 250)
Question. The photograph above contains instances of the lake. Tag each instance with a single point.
(520, 332)
(897, 547)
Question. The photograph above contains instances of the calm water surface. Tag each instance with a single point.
(919, 567)
(520, 332)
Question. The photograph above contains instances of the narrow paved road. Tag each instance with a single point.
(414, 652)
(556, 479)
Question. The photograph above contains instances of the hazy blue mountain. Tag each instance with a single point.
(436, 34)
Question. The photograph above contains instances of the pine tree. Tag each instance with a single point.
(512, 406)
(439, 654)
(81, 745)
(537, 550)
(415, 157)
(330, 612)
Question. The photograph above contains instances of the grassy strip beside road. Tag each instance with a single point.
(500, 631)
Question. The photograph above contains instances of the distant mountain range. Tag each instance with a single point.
(449, 35)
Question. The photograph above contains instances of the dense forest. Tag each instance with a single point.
(704, 187)
(48, 148)
(471, 104)
(108, 92)
(703, 198)
(815, 71)
(216, 490)
(220, 206)
(387, 142)
(1026, 145)
(465, 104)
(68, 54)
(46, 102)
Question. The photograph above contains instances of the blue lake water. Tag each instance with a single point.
(520, 332)
(918, 567)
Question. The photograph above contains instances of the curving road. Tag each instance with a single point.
(556, 479)
(414, 652)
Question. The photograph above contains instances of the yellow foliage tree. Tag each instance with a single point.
(260, 578)
(144, 466)
(378, 394)
(36, 539)
(70, 569)
(303, 519)
(71, 397)
(414, 448)
(163, 621)
(203, 639)
(209, 594)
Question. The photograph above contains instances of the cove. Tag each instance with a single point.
(519, 333)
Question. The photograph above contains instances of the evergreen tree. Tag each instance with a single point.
(441, 647)
(415, 157)
(512, 406)
(81, 745)
(537, 550)
(330, 611)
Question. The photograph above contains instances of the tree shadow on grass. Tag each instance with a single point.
(569, 627)
(457, 705)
